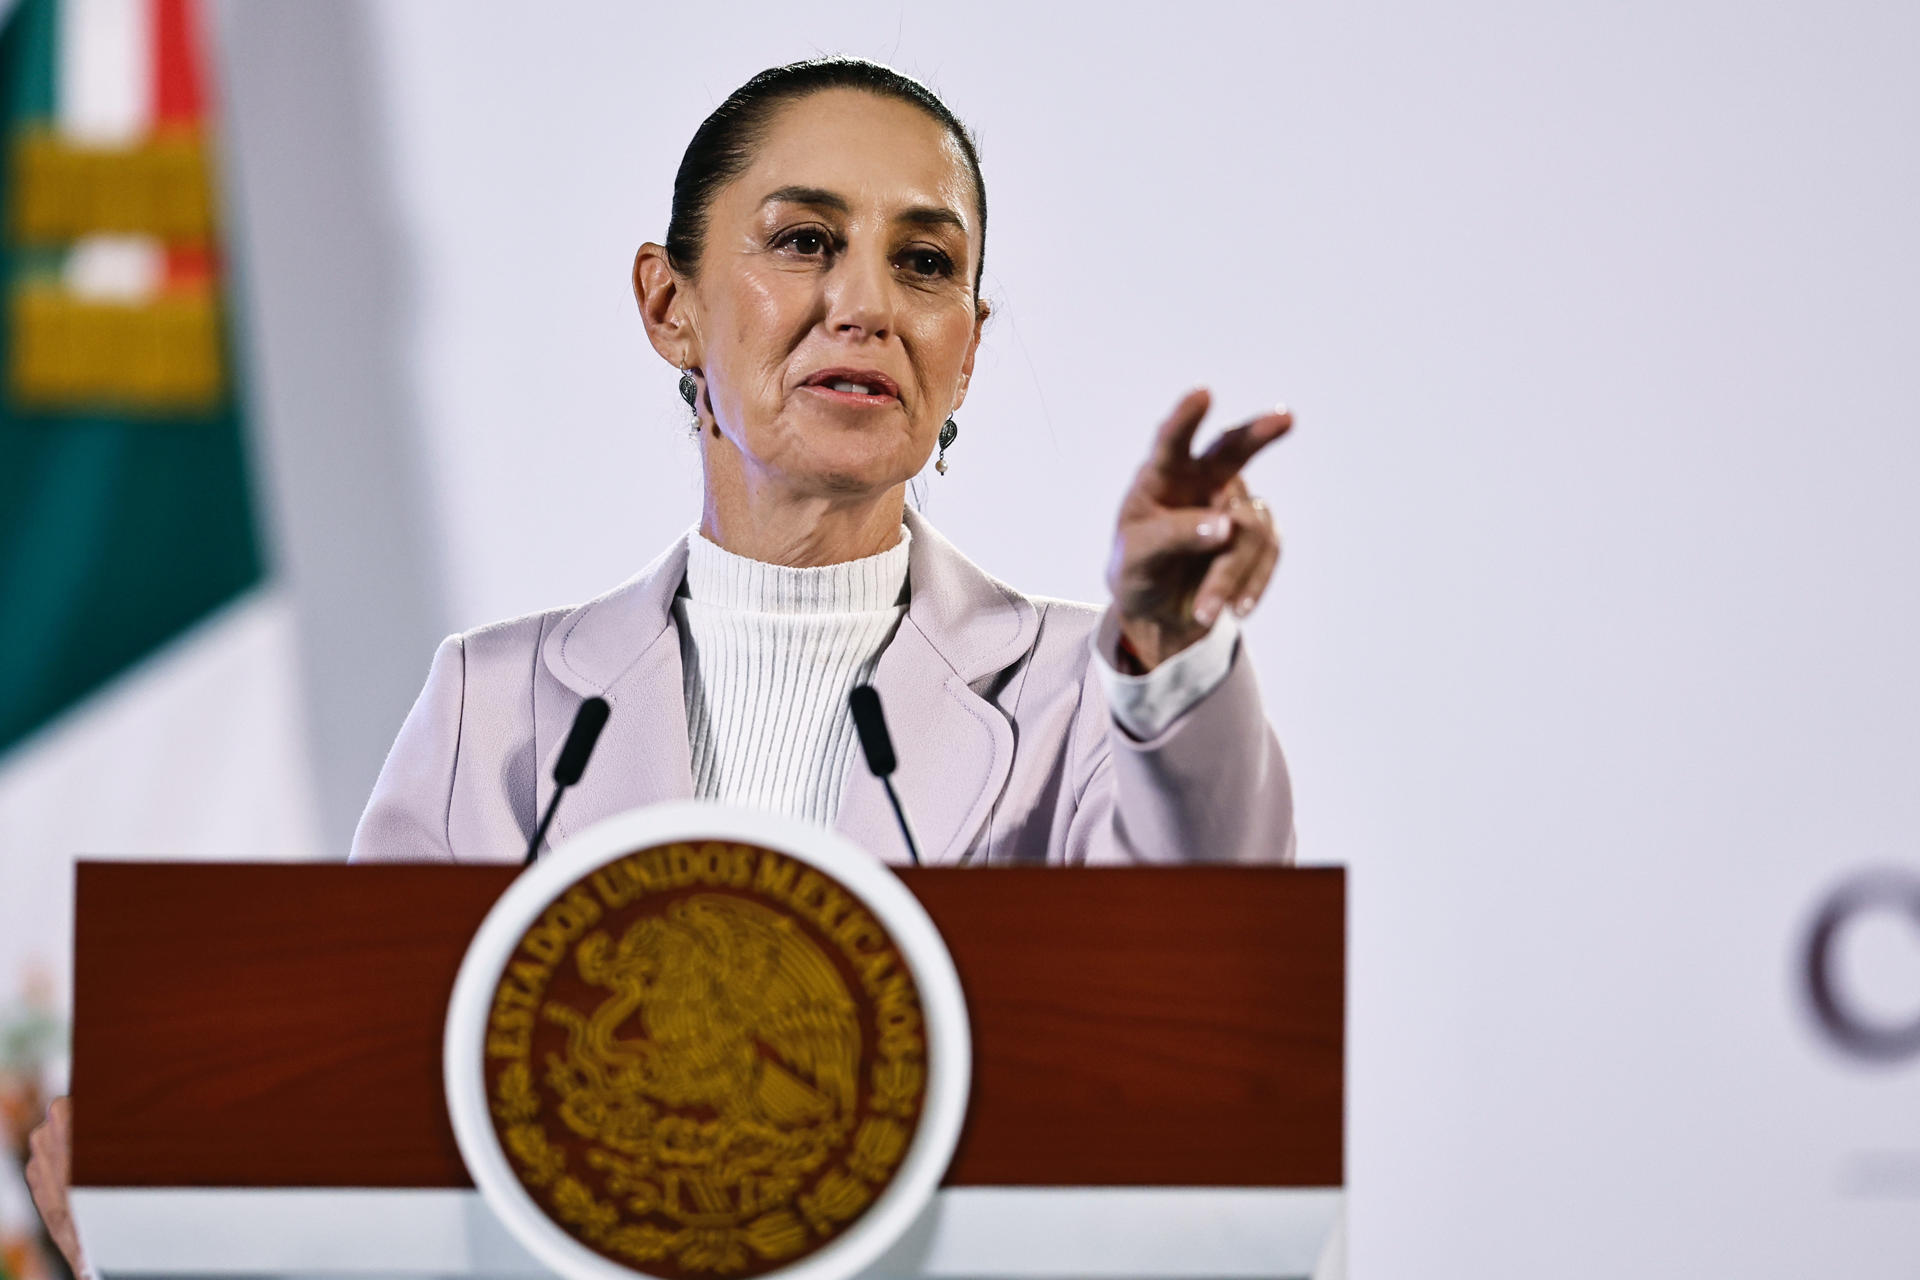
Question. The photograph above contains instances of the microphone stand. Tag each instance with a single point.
(877, 745)
(587, 724)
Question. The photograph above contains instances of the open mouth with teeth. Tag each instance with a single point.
(853, 387)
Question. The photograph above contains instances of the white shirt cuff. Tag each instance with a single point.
(1146, 705)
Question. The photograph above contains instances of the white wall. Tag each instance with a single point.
(1593, 644)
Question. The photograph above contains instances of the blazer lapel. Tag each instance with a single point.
(625, 648)
(954, 747)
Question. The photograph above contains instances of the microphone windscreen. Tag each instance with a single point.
(592, 718)
(872, 725)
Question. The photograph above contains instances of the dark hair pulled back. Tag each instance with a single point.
(723, 146)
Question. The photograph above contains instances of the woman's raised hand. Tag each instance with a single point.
(1191, 540)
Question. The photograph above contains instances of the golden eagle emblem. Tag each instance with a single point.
(706, 1060)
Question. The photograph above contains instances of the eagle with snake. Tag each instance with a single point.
(723, 1064)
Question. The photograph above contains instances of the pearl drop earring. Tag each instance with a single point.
(949, 432)
(690, 392)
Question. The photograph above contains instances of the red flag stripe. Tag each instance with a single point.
(179, 84)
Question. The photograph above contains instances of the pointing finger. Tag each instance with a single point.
(1234, 448)
(1173, 443)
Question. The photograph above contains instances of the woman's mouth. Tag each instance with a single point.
(853, 387)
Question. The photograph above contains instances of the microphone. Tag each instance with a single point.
(877, 745)
(587, 724)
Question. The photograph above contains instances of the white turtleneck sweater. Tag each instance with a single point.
(768, 655)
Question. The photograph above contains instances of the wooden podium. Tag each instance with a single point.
(1157, 1076)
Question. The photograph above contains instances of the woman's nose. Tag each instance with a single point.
(860, 296)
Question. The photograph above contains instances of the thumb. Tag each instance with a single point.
(1184, 531)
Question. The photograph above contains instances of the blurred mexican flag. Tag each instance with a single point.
(148, 701)
(125, 506)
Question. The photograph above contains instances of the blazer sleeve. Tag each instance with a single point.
(407, 817)
(1210, 787)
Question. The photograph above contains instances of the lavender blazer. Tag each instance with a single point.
(1008, 753)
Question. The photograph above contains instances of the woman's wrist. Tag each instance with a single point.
(1142, 646)
(1145, 704)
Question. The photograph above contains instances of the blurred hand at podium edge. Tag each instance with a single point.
(1191, 540)
(49, 1171)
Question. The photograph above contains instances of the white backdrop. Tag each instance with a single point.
(1592, 646)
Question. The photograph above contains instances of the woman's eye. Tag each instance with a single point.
(806, 243)
(929, 263)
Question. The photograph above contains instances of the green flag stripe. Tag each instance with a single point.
(29, 62)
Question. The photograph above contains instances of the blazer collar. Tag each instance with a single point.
(955, 748)
(624, 647)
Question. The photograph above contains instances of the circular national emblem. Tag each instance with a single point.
(705, 1059)
(695, 1042)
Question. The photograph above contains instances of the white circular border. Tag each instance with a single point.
(949, 1037)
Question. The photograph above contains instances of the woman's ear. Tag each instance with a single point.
(980, 314)
(664, 307)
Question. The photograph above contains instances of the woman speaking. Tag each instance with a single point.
(819, 291)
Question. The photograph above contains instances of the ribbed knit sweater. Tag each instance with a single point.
(768, 655)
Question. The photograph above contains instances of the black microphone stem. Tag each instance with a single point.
(540, 832)
(877, 744)
(906, 829)
(587, 724)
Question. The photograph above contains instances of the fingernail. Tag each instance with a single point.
(1205, 611)
(1282, 408)
(1212, 528)
(1245, 606)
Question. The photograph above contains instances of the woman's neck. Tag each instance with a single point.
(803, 531)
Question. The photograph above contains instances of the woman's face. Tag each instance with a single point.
(834, 301)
